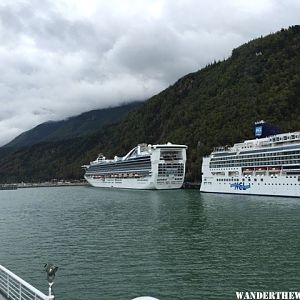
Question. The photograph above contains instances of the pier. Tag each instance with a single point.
(8, 186)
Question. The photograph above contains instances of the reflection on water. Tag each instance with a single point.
(118, 244)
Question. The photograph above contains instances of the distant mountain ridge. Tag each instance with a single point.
(76, 126)
(215, 106)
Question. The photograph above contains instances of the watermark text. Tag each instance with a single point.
(267, 295)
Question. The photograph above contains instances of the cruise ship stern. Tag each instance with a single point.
(168, 165)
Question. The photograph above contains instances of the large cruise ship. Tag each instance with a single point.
(267, 165)
(143, 167)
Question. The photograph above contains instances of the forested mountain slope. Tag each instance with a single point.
(83, 124)
(217, 105)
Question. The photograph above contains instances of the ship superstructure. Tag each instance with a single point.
(144, 167)
(268, 165)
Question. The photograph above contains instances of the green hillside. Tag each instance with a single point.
(217, 105)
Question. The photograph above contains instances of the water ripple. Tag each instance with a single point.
(118, 244)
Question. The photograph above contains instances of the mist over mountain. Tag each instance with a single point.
(215, 106)
(83, 124)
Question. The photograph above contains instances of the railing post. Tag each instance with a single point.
(20, 292)
(7, 280)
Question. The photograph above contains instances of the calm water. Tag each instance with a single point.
(120, 244)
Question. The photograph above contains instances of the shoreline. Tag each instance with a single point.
(14, 186)
(22, 185)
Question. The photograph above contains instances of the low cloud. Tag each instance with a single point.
(61, 58)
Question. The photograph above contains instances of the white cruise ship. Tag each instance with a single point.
(144, 167)
(267, 165)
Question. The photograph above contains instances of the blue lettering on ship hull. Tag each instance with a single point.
(240, 186)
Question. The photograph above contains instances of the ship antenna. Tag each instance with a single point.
(50, 270)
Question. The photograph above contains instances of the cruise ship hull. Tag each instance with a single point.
(134, 183)
(271, 186)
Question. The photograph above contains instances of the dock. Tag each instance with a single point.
(8, 187)
(191, 185)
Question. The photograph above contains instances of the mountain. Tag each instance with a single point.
(83, 124)
(217, 105)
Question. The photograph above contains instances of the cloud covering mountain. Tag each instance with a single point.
(61, 58)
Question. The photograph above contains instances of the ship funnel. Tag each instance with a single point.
(263, 129)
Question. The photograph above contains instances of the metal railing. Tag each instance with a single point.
(15, 288)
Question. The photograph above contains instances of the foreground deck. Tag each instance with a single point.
(12, 287)
(2, 297)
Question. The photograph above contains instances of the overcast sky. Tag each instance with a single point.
(62, 57)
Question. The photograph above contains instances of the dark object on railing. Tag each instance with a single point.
(50, 270)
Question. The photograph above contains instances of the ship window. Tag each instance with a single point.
(170, 155)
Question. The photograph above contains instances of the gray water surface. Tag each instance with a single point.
(120, 244)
